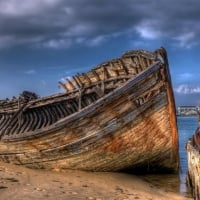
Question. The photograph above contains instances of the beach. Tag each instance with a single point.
(20, 183)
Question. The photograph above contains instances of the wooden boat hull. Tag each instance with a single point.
(131, 127)
(193, 155)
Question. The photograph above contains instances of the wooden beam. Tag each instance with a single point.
(76, 80)
(68, 82)
(62, 85)
(124, 66)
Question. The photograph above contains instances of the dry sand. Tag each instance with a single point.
(19, 183)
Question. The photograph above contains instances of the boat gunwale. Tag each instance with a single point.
(66, 96)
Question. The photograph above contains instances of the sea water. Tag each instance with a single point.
(177, 183)
(186, 127)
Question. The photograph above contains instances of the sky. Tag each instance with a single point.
(43, 42)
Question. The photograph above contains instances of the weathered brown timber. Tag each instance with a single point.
(193, 154)
(120, 115)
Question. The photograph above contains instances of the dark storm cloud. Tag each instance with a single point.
(61, 23)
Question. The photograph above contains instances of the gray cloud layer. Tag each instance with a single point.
(62, 23)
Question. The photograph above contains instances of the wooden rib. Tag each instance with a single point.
(121, 62)
(79, 80)
(29, 124)
(35, 120)
(60, 113)
(55, 112)
(133, 62)
(69, 85)
(106, 73)
(140, 64)
(76, 80)
(40, 119)
(48, 116)
(74, 106)
(7, 119)
(62, 85)
(87, 77)
(3, 119)
(13, 119)
(51, 117)
(79, 101)
(113, 70)
(69, 108)
(116, 70)
(27, 121)
(15, 126)
(149, 62)
(45, 118)
(84, 103)
(96, 75)
(145, 63)
(8, 124)
(63, 110)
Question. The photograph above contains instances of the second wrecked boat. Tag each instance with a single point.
(193, 154)
(119, 115)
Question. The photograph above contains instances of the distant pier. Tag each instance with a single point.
(186, 110)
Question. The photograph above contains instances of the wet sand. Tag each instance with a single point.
(19, 183)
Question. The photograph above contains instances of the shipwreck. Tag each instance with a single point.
(119, 115)
(193, 154)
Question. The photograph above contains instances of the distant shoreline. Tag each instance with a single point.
(186, 115)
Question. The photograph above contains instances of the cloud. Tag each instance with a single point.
(185, 77)
(186, 39)
(147, 30)
(186, 89)
(56, 43)
(26, 7)
(96, 41)
(30, 72)
(61, 24)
